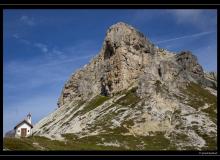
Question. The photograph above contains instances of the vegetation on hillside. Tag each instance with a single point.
(98, 142)
(115, 138)
(198, 97)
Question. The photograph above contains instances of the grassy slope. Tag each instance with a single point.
(128, 142)
(198, 97)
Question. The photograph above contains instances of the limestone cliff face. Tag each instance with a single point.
(126, 55)
(133, 88)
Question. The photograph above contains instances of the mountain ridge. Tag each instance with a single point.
(134, 88)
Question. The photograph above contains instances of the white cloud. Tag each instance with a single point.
(36, 73)
(44, 75)
(22, 40)
(196, 17)
(57, 52)
(27, 20)
(189, 15)
(56, 56)
(25, 41)
(42, 47)
(60, 54)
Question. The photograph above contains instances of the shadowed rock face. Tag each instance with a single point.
(134, 88)
(189, 62)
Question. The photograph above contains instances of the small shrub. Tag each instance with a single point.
(95, 102)
(130, 98)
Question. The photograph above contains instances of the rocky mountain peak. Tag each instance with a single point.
(133, 88)
(121, 25)
(121, 28)
(124, 36)
(127, 55)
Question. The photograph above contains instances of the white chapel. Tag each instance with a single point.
(24, 128)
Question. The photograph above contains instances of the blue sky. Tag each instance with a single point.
(42, 48)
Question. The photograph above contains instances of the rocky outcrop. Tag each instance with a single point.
(125, 56)
(211, 79)
(137, 88)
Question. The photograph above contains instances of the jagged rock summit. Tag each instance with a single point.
(126, 54)
(115, 66)
(134, 88)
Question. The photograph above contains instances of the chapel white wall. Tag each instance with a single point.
(24, 125)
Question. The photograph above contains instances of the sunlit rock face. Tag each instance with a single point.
(134, 88)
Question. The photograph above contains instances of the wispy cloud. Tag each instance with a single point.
(79, 51)
(25, 41)
(41, 76)
(54, 65)
(27, 20)
(58, 53)
(42, 47)
(187, 15)
(198, 18)
(22, 40)
(187, 36)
